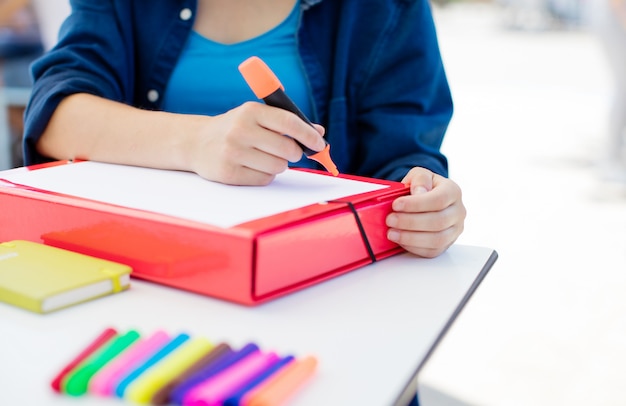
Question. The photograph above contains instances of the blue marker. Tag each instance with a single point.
(159, 355)
(235, 399)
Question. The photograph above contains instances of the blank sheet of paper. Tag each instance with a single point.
(187, 195)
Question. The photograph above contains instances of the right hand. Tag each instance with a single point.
(247, 145)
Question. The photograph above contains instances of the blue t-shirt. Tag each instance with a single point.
(206, 79)
(373, 66)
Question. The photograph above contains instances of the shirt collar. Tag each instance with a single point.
(307, 4)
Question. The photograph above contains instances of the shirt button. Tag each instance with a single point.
(185, 14)
(153, 95)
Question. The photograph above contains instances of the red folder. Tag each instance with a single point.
(249, 263)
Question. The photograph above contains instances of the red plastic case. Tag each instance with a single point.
(249, 263)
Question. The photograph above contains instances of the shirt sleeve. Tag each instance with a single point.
(92, 56)
(404, 104)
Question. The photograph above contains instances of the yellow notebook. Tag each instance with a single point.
(41, 278)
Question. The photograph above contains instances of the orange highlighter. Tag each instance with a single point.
(267, 87)
(279, 387)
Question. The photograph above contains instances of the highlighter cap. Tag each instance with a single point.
(259, 77)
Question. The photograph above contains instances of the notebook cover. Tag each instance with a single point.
(41, 278)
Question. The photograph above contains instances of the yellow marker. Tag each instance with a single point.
(143, 389)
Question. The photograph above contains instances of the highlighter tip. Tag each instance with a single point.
(323, 157)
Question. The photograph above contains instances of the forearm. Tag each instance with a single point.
(89, 127)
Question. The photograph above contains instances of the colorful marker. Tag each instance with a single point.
(98, 342)
(106, 380)
(278, 388)
(236, 398)
(230, 358)
(266, 86)
(217, 389)
(146, 386)
(158, 356)
(190, 372)
(163, 396)
(77, 382)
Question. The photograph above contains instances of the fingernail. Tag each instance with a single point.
(393, 235)
(392, 220)
(420, 190)
(398, 205)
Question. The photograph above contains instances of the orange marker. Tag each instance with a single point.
(266, 86)
(277, 389)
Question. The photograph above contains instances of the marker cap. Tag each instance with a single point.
(259, 77)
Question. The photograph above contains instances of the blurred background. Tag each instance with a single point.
(538, 144)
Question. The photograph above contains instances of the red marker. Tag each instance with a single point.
(266, 86)
(102, 339)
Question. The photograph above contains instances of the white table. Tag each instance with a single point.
(371, 329)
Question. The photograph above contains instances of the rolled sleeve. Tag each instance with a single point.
(89, 58)
(405, 105)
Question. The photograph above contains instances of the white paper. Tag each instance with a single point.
(187, 195)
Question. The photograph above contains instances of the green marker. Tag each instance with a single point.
(77, 382)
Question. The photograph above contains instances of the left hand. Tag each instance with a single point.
(430, 219)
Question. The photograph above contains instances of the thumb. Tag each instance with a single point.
(420, 180)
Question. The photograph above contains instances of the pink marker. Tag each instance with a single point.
(215, 390)
(106, 380)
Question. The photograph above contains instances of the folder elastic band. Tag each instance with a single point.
(359, 224)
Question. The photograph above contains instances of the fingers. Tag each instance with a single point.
(420, 180)
(242, 176)
(443, 193)
(426, 243)
(283, 122)
(426, 252)
(427, 222)
(261, 141)
(433, 232)
(247, 145)
(248, 166)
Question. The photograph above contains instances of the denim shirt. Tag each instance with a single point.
(374, 70)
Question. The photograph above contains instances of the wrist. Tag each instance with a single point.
(182, 143)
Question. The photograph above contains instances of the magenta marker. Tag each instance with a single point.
(217, 389)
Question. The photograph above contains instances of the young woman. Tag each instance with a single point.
(157, 85)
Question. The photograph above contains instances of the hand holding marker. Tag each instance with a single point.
(266, 86)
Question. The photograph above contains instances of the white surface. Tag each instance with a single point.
(369, 328)
(187, 195)
(51, 14)
(548, 325)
